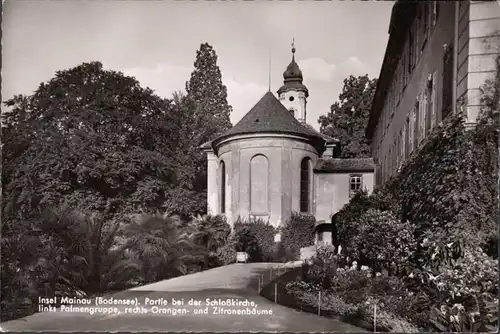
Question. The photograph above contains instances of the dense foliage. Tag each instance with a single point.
(435, 223)
(256, 238)
(351, 293)
(348, 118)
(298, 232)
(89, 161)
(381, 241)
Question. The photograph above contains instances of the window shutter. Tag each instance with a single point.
(434, 100)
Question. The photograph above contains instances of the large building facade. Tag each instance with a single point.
(272, 163)
(438, 55)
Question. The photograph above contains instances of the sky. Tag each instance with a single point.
(156, 42)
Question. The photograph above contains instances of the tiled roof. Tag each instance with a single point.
(269, 115)
(329, 165)
(326, 138)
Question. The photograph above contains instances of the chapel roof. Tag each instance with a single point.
(269, 115)
(329, 165)
(327, 139)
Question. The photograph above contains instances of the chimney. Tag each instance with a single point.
(330, 147)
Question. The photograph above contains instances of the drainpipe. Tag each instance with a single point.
(455, 59)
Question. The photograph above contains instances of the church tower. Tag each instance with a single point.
(293, 94)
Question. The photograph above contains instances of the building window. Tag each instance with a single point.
(403, 67)
(425, 22)
(355, 184)
(447, 81)
(223, 177)
(292, 111)
(416, 39)
(422, 116)
(411, 51)
(259, 185)
(305, 184)
(434, 13)
(405, 139)
(433, 100)
(430, 105)
(398, 151)
(411, 130)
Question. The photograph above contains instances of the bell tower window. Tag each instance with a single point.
(291, 98)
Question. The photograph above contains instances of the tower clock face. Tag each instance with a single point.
(291, 98)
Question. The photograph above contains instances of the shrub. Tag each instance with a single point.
(227, 253)
(323, 267)
(255, 237)
(352, 285)
(298, 232)
(386, 320)
(382, 241)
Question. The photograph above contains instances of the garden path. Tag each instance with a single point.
(238, 281)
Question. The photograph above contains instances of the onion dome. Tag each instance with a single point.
(293, 77)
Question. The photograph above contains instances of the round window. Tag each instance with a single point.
(291, 98)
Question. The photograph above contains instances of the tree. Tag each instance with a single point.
(206, 89)
(207, 97)
(348, 118)
(210, 232)
(161, 245)
(91, 139)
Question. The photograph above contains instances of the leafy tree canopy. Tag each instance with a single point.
(348, 118)
(92, 139)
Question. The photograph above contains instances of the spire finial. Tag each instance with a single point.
(293, 45)
(269, 68)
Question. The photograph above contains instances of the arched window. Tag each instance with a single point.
(305, 184)
(292, 111)
(222, 187)
(259, 185)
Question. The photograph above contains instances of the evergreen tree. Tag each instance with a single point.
(348, 118)
(206, 89)
(206, 102)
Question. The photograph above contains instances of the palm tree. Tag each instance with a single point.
(210, 232)
(84, 253)
(161, 246)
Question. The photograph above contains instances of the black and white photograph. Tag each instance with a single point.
(250, 166)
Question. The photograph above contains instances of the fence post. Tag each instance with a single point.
(319, 302)
(258, 286)
(375, 317)
(275, 293)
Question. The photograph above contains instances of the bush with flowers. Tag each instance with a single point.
(347, 290)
